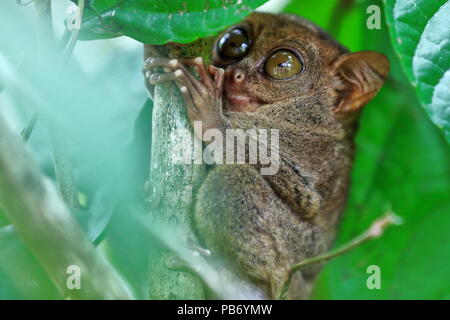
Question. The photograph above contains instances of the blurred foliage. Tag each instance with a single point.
(421, 34)
(403, 164)
(159, 22)
(21, 276)
(402, 161)
(96, 112)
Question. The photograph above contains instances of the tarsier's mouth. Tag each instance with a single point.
(240, 102)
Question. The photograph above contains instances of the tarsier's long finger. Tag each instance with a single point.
(219, 77)
(148, 85)
(200, 67)
(151, 63)
(166, 63)
(159, 78)
(183, 78)
(190, 106)
(176, 64)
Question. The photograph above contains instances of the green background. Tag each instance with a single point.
(402, 162)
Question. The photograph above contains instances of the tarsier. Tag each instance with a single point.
(277, 72)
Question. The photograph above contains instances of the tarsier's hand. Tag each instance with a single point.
(203, 97)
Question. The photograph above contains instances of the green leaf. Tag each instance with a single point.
(421, 36)
(402, 163)
(159, 22)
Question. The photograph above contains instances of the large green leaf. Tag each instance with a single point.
(421, 35)
(159, 22)
(402, 163)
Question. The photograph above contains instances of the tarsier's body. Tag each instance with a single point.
(279, 72)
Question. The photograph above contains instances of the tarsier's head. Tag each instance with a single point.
(270, 58)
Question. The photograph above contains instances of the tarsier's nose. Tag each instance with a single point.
(238, 76)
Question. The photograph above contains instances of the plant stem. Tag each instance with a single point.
(173, 186)
(63, 168)
(374, 231)
(62, 161)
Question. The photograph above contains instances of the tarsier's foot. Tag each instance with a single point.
(203, 97)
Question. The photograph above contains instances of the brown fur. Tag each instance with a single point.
(264, 224)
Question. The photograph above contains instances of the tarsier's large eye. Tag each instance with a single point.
(283, 64)
(234, 44)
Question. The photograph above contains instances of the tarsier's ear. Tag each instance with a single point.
(359, 77)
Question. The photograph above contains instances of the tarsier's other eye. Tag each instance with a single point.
(283, 64)
(234, 44)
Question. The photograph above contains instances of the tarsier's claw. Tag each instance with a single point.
(161, 62)
(159, 78)
(147, 61)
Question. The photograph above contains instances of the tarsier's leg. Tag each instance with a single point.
(203, 97)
